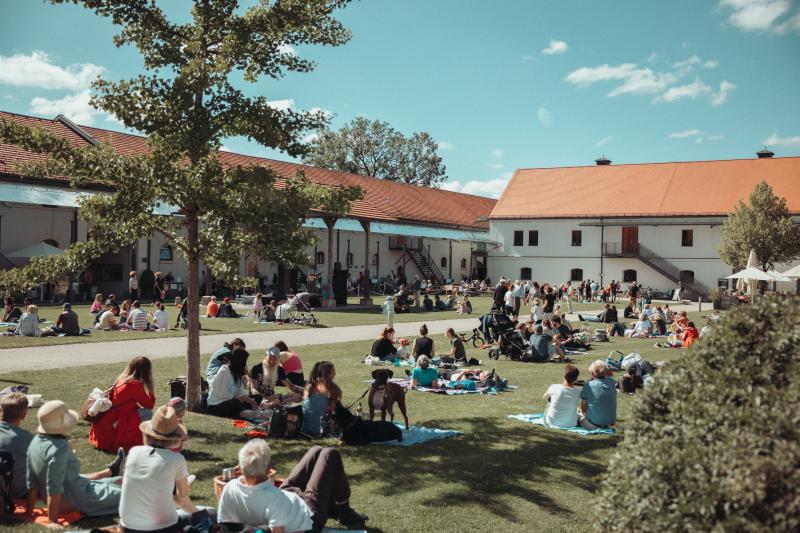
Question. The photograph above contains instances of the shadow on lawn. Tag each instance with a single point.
(493, 461)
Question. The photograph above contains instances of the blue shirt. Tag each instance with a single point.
(15, 440)
(601, 401)
(425, 376)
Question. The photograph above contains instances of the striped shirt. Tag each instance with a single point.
(138, 319)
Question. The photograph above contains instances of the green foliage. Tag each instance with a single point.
(376, 149)
(763, 225)
(715, 444)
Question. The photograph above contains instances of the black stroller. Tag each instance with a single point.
(498, 327)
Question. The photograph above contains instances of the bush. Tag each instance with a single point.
(714, 445)
(146, 281)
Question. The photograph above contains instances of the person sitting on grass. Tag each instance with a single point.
(563, 399)
(212, 309)
(687, 337)
(451, 303)
(565, 334)
(544, 346)
(291, 365)
(67, 322)
(427, 303)
(28, 325)
(228, 394)
(222, 357)
(14, 440)
(383, 348)
(156, 478)
(630, 311)
(424, 375)
(321, 396)
(598, 398)
(160, 317)
(265, 376)
(137, 318)
(226, 309)
(108, 320)
(316, 489)
(54, 470)
(641, 329)
(423, 345)
(438, 303)
(457, 353)
(465, 307)
(12, 313)
(97, 304)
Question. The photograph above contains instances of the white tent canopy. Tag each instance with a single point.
(793, 272)
(37, 250)
(777, 276)
(752, 273)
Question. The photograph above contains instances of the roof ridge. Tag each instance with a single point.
(663, 163)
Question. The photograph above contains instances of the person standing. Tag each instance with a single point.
(569, 292)
(133, 286)
(417, 290)
(549, 302)
(158, 288)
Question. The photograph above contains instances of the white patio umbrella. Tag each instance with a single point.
(37, 250)
(756, 274)
(777, 276)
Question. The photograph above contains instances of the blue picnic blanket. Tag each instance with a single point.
(418, 435)
(538, 419)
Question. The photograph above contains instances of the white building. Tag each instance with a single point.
(656, 224)
(395, 228)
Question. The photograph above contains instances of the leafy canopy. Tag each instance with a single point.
(763, 225)
(715, 443)
(378, 150)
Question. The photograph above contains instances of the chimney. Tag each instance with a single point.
(602, 161)
(765, 154)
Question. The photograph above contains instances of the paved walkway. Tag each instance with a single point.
(72, 355)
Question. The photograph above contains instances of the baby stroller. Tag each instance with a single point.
(493, 325)
(295, 309)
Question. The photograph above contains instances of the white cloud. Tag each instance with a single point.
(711, 64)
(287, 49)
(762, 15)
(653, 57)
(635, 80)
(774, 140)
(692, 90)
(685, 66)
(719, 98)
(498, 153)
(224, 148)
(328, 114)
(36, 70)
(526, 59)
(556, 47)
(492, 188)
(495, 166)
(545, 116)
(444, 145)
(75, 107)
(281, 105)
(715, 138)
(604, 141)
(311, 137)
(694, 132)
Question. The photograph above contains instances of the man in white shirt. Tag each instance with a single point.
(108, 319)
(137, 318)
(316, 489)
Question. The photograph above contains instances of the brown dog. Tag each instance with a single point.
(383, 395)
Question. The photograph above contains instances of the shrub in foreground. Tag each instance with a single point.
(714, 445)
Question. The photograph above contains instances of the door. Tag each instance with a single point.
(630, 240)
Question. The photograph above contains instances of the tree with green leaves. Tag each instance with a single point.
(764, 225)
(186, 105)
(378, 150)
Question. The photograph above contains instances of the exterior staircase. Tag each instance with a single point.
(427, 267)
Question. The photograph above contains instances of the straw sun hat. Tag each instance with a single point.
(164, 426)
(56, 419)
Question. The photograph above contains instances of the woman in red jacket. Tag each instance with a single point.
(119, 426)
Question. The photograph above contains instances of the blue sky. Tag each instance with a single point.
(500, 84)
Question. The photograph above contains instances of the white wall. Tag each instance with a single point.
(26, 226)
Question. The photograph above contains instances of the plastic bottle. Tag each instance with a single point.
(359, 411)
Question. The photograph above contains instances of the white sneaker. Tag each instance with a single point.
(191, 479)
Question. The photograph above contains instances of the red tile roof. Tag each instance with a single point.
(383, 200)
(694, 188)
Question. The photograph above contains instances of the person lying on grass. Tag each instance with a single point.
(316, 489)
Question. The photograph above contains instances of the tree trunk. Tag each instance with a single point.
(193, 316)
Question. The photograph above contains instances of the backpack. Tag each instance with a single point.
(600, 335)
(285, 422)
(6, 477)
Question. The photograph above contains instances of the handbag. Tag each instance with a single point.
(87, 405)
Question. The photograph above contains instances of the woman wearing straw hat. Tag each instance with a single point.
(151, 472)
(54, 470)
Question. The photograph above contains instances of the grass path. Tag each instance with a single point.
(500, 475)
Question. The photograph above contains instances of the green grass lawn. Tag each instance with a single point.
(500, 475)
(342, 316)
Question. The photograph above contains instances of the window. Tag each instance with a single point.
(533, 237)
(463, 263)
(687, 237)
(51, 242)
(443, 262)
(629, 276)
(165, 253)
(320, 258)
(349, 259)
(687, 276)
(374, 260)
(576, 237)
(518, 238)
(576, 274)
(525, 273)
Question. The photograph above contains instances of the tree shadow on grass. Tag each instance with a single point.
(15, 382)
(491, 465)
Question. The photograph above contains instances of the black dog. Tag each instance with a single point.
(357, 431)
